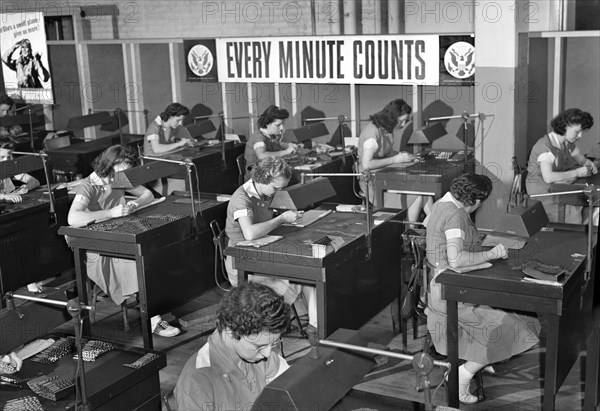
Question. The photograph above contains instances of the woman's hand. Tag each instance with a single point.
(12, 198)
(121, 210)
(498, 252)
(403, 157)
(583, 172)
(289, 216)
(592, 166)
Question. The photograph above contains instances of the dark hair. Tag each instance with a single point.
(252, 308)
(388, 117)
(7, 100)
(7, 143)
(117, 154)
(174, 110)
(268, 169)
(469, 188)
(271, 114)
(571, 116)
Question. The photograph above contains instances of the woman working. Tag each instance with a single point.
(96, 200)
(249, 218)
(267, 142)
(555, 158)
(375, 150)
(453, 242)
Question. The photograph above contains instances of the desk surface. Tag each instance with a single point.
(106, 379)
(567, 248)
(295, 247)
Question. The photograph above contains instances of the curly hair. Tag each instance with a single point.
(174, 110)
(252, 308)
(104, 164)
(271, 114)
(268, 169)
(571, 116)
(469, 188)
(388, 117)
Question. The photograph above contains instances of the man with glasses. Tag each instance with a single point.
(230, 371)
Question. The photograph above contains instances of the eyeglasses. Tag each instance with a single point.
(272, 345)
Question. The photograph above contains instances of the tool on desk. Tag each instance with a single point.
(74, 308)
(220, 134)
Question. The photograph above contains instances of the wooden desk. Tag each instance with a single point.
(350, 289)
(574, 199)
(565, 312)
(30, 248)
(110, 385)
(428, 177)
(77, 158)
(172, 265)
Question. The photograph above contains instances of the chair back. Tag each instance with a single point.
(241, 165)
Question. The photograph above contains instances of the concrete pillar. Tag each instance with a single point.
(500, 90)
(395, 16)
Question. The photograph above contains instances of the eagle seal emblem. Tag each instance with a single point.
(200, 60)
(460, 60)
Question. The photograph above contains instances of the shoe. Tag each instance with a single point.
(464, 396)
(34, 288)
(164, 329)
(489, 370)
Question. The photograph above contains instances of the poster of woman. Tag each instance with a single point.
(25, 58)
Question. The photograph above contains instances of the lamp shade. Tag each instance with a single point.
(90, 120)
(426, 135)
(305, 133)
(118, 121)
(300, 196)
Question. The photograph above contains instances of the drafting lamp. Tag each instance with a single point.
(306, 133)
(31, 118)
(341, 120)
(156, 168)
(427, 134)
(90, 120)
(74, 308)
(118, 121)
(222, 137)
(301, 196)
(196, 130)
(465, 118)
(26, 166)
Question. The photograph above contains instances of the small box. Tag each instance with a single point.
(319, 247)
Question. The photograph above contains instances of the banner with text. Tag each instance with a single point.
(25, 58)
(389, 59)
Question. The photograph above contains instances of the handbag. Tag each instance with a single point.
(410, 298)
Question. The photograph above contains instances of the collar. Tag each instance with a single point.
(96, 180)
(449, 198)
(159, 121)
(217, 355)
(250, 189)
(270, 136)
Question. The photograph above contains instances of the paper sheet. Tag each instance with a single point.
(260, 242)
(510, 242)
(309, 217)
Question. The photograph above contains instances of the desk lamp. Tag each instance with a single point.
(222, 137)
(44, 157)
(118, 121)
(74, 308)
(90, 120)
(465, 118)
(30, 119)
(341, 120)
(589, 192)
(427, 134)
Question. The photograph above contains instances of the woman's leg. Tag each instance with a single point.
(465, 374)
(310, 295)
